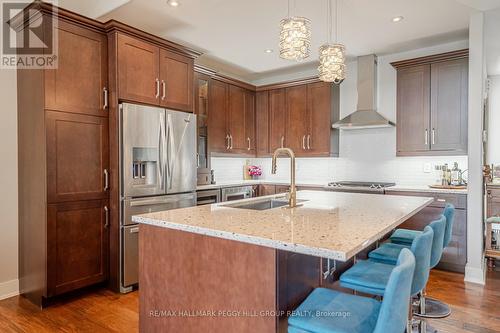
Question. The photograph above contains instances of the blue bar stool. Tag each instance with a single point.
(430, 307)
(388, 253)
(371, 276)
(326, 310)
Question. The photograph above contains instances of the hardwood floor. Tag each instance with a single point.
(475, 309)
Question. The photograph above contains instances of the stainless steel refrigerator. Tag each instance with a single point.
(157, 172)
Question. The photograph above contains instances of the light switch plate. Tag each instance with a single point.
(427, 167)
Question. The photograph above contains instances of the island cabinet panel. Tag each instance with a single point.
(190, 276)
(432, 105)
(77, 157)
(138, 70)
(262, 123)
(79, 82)
(77, 248)
(277, 119)
(455, 254)
(176, 76)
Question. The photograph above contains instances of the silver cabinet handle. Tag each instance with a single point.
(227, 141)
(231, 140)
(106, 215)
(106, 179)
(309, 141)
(106, 100)
(157, 85)
(282, 142)
(433, 136)
(426, 137)
(134, 230)
(249, 144)
(304, 142)
(441, 200)
(164, 89)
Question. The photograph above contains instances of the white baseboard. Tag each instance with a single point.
(9, 289)
(475, 274)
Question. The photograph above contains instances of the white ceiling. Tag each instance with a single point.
(233, 34)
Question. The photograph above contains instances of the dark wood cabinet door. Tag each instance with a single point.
(77, 155)
(78, 83)
(236, 119)
(138, 71)
(413, 110)
(176, 76)
(77, 245)
(297, 127)
(262, 123)
(449, 105)
(277, 119)
(217, 121)
(266, 189)
(250, 122)
(319, 99)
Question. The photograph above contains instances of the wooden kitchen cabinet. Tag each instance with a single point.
(138, 70)
(299, 117)
(262, 123)
(449, 105)
(455, 254)
(231, 122)
(77, 157)
(277, 119)
(266, 189)
(152, 75)
(432, 105)
(77, 245)
(493, 201)
(80, 82)
(297, 128)
(176, 78)
(413, 109)
(218, 138)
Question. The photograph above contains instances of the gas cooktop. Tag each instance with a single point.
(350, 186)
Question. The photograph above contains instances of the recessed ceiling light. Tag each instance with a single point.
(397, 19)
(173, 3)
(269, 51)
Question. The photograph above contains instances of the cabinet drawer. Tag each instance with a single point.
(440, 199)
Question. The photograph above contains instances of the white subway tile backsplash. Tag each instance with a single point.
(402, 170)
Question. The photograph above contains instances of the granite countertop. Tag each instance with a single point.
(335, 225)
(398, 187)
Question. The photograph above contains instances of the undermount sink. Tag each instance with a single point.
(262, 204)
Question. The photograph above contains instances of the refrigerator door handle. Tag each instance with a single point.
(161, 143)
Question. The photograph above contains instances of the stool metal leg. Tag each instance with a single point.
(432, 308)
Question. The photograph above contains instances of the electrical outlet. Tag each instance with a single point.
(427, 167)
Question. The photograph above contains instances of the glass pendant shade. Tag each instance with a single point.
(332, 63)
(295, 38)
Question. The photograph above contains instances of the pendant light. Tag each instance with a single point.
(295, 37)
(332, 55)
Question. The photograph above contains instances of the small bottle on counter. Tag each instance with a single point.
(455, 175)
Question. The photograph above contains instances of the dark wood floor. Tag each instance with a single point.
(475, 309)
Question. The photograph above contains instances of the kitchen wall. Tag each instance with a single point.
(368, 154)
(8, 189)
(493, 151)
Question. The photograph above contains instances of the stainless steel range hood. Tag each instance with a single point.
(366, 115)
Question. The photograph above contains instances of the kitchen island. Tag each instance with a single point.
(239, 267)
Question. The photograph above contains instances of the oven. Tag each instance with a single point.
(207, 197)
(237, 193)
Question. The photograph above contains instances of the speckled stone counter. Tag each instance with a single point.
(333, 225)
